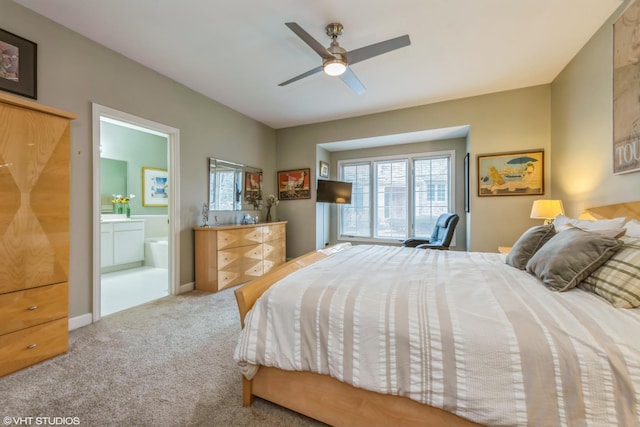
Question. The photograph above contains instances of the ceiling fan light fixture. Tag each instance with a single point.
(334, 67)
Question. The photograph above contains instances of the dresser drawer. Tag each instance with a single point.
(273, 232)
(274, 253)
(239, 237)
(22, 309)
(239, 256)
(240, 274)
(32, 345)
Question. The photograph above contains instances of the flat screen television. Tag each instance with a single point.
(333, 191)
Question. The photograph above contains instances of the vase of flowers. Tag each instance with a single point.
(121, 204)
(271, 201)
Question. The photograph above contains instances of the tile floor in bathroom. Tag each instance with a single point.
(135, 286)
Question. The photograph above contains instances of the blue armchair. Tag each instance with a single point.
(441, 236)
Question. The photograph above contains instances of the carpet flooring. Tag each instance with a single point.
(165, 363)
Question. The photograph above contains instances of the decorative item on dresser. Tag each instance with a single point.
(233, 254)
(34, 232)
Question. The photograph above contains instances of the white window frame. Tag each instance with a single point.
(410, 158)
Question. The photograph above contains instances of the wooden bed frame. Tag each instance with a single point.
(339, 404)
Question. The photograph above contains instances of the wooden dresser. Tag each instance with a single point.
(34, 232)
(234, 254)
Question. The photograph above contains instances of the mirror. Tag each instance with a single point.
(233, 186)
(113, 180)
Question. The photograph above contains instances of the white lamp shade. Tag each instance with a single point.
(546, 209)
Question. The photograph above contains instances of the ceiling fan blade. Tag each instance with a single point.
(357, 55)
(352, 81)
(302, 76)
(306, 37)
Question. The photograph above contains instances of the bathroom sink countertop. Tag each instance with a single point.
(118, 218)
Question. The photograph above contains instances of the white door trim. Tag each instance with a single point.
(173, 147)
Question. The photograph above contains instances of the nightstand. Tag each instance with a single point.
(504, 249)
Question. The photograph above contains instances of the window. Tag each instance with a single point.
(394, 198)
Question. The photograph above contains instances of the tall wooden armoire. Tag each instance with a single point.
(34, 232)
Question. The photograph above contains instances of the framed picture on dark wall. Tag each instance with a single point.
(18, 65)
(467, 207)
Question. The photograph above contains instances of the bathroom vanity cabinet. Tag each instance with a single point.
(34, 232)
(121, 242)
(229, 255)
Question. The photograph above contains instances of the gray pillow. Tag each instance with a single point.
(528, 244)
(570, 256)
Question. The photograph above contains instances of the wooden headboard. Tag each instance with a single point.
(630, 210)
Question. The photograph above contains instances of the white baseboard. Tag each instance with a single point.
(87, 319)
(80, 321)
(187, 287)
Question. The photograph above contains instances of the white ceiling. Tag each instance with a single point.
(236, 52)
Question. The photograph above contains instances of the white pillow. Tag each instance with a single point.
(611, 232)
(633, 228)
(561, 221)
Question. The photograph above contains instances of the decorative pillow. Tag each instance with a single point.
(527, 245)
(618, 279)
(633, 228)
(570, 256)
(586, 224)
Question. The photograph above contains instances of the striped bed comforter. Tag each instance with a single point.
(461, 331)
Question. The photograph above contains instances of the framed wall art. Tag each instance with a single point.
(18, 65)
(467, 207)
(626, 91)
(324, 169)
(155, 187)
(511, 174)
(294, 184)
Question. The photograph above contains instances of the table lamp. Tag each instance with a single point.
(546, 209)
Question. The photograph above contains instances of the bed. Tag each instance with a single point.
(458, 339)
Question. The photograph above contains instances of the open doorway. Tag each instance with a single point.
(135, 210)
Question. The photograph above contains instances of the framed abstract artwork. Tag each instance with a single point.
(294, 184)
(18, 65)
(155, 187)
(511, 174)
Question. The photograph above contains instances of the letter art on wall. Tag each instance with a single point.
(626, 91)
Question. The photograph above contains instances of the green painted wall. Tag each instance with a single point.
(139, 150)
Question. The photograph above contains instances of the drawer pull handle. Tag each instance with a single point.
(33, 345)
(33, 307)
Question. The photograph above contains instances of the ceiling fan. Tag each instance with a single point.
(336, 60)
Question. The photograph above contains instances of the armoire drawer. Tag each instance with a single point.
(32, 345)
(23, 309)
